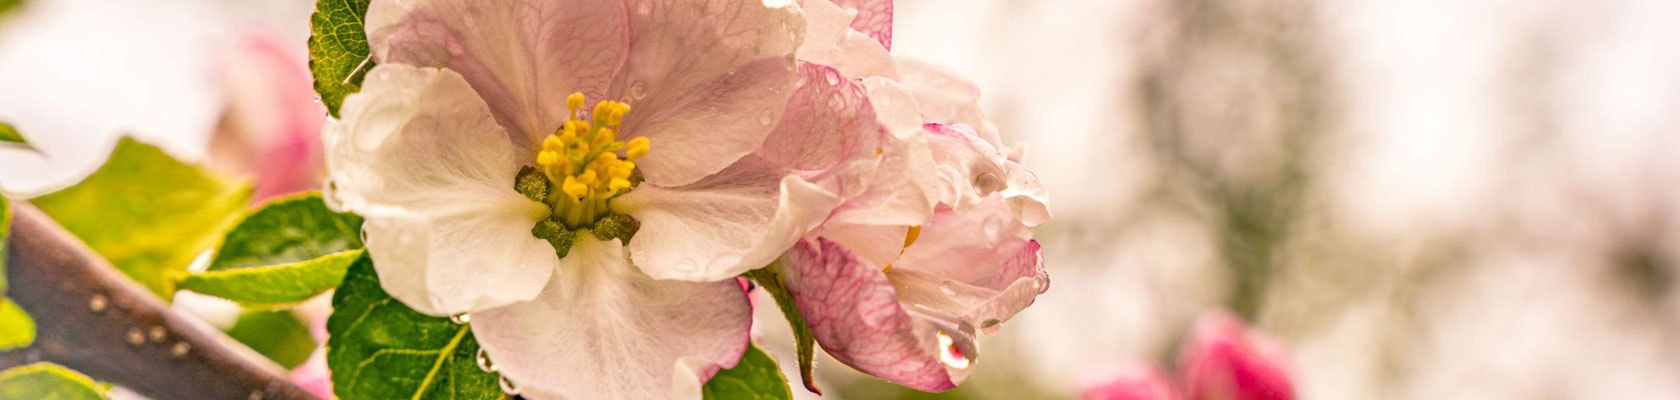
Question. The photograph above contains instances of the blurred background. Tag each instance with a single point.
(1460, 199)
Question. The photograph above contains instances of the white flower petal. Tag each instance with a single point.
(523, 56)
(604, 330)
(707, 79)
(420, 157)
(738, 219)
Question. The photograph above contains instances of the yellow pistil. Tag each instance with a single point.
(587, 162)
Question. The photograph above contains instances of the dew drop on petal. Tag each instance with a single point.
(638, 90)
(832, 77)
(991, 326)
(460, 319)
(484, 361)
(949, 354)
(731, 71)
(764, 118)
(645, 8)
(508, 387)
(949, 288)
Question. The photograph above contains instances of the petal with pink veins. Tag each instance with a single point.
(419, 155)
(828, 134)
(523, 56)
(604, 330)
(874, 18)
(708, 81)
(855, 314)
(733, 221)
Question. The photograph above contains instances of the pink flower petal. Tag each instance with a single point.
(947, 98)
(1225, 360)
(874, 18)
(855, 315)
(733, 221)
(828, 133)
(523, 56)
(971, 169)
(979, 267)
(707, 80)
(830, 40)
(604, 330)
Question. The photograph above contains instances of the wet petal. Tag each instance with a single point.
(832, 40)
(604, 330)
(970, 169)
(420, 157)
(708, 81)
(829, 132)
(946, 98)
(523, 56)
(738, 219)
(874, 18)
(855, 315)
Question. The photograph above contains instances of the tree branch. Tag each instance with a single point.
(93, 319)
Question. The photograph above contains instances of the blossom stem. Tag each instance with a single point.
(94, 320)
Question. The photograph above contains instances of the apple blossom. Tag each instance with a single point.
(1223, 359)
(594, 246)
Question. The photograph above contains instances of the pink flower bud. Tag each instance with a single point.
(1225, 360)
(1126, 381)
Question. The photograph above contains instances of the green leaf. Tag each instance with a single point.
(8, 134)
(16, 328)
(279, 335)
(44, 381)
(338, 50)
(379, 348)
(275, 285)
(5, 231)
(148, 213)
(770, 279)
(287, 230)
(756, 377)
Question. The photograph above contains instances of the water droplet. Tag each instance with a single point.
(950, 354)
(949, 288)
(731, 71)
(764, 118)
(136, 337)
(638, 90)
(990, 327)
(832, 77)
(987, 182)
(460, 319)
(364, 235)
(509, 388)
(484, 361)
(317, 99)
(98, 303)
(645, 8)
(179, 349)
(157, 333)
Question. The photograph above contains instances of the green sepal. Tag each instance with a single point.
(8, 134)
(557, 235)
(616, 226)
(531, 183)
(770, 279)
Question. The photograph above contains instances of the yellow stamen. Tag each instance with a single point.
(587, 161)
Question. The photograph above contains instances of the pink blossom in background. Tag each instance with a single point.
(1131, 380)
(271, 127)
(1223, 359)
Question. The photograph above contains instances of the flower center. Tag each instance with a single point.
(587, 163)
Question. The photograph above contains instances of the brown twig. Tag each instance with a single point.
(93, 319)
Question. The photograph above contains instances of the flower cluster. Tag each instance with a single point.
(597, 248)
